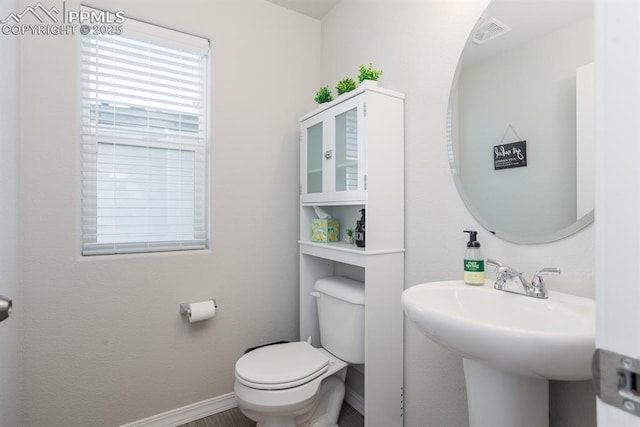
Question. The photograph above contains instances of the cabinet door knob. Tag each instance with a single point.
(328, 154)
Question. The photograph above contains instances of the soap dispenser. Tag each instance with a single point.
(473, 261)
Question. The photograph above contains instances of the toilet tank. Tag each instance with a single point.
(341, 317)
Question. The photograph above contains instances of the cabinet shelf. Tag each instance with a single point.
(346, 164)
(335, 203)
(342, 252)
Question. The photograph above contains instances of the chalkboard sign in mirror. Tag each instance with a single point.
(532, 78)
(512, 155)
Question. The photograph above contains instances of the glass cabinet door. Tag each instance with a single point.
(314, 159)
(346, 151)
(332, 154)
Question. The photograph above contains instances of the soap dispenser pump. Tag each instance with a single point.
(473, 261)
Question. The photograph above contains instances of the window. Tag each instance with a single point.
(144, 140)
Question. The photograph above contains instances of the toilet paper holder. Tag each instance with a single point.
(185, 310)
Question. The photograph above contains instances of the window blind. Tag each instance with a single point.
(144, 140)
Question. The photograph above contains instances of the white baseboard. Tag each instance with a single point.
(355, 400)
(188, 413)
(199, 410)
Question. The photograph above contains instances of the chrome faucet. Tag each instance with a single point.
(535, 288)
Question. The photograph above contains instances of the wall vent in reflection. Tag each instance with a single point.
(489, 28)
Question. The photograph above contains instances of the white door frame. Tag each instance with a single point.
(617, 187)
(10, 340)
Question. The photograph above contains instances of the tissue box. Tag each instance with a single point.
(325, 230)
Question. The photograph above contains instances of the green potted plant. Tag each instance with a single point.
(368, 73)
(324, 95)
(349, 235)
(345, 85)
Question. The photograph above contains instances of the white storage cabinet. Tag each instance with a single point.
(352, 157)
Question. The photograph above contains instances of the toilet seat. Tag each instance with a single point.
(281, 366)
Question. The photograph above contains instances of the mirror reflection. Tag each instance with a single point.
(521, 119)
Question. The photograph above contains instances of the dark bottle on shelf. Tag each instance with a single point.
(359, 231)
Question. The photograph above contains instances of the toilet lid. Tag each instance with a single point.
(281, 366)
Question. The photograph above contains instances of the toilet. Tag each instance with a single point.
(296, 384)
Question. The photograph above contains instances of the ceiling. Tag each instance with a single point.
(528, 19)
(314, 8)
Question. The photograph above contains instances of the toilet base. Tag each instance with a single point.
(323, 410)
(326, 409)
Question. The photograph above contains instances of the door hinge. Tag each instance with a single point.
(616, 379)
(364, 109)
(300, 191)
(365, 182)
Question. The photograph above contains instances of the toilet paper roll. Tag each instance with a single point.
(201, 311)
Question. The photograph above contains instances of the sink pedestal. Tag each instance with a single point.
(500, 399)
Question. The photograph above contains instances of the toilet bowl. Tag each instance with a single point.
(296, 384)
(311, 391)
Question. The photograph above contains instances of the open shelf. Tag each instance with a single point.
(342, 252)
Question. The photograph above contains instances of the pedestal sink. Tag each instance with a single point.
(511, 345)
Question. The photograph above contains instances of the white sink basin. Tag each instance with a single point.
(550, 338)
(511, 345)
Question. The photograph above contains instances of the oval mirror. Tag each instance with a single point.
(520, 120)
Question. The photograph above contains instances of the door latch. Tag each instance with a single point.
(6, 305)
(616, 379)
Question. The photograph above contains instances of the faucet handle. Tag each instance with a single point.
(537, 277)
(503, 273)
(502, 269)
(537, 283)
(496, 264)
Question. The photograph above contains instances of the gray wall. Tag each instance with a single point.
(10, 363)
(104, 343)
(417, 44)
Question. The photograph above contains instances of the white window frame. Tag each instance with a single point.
(158, 127)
